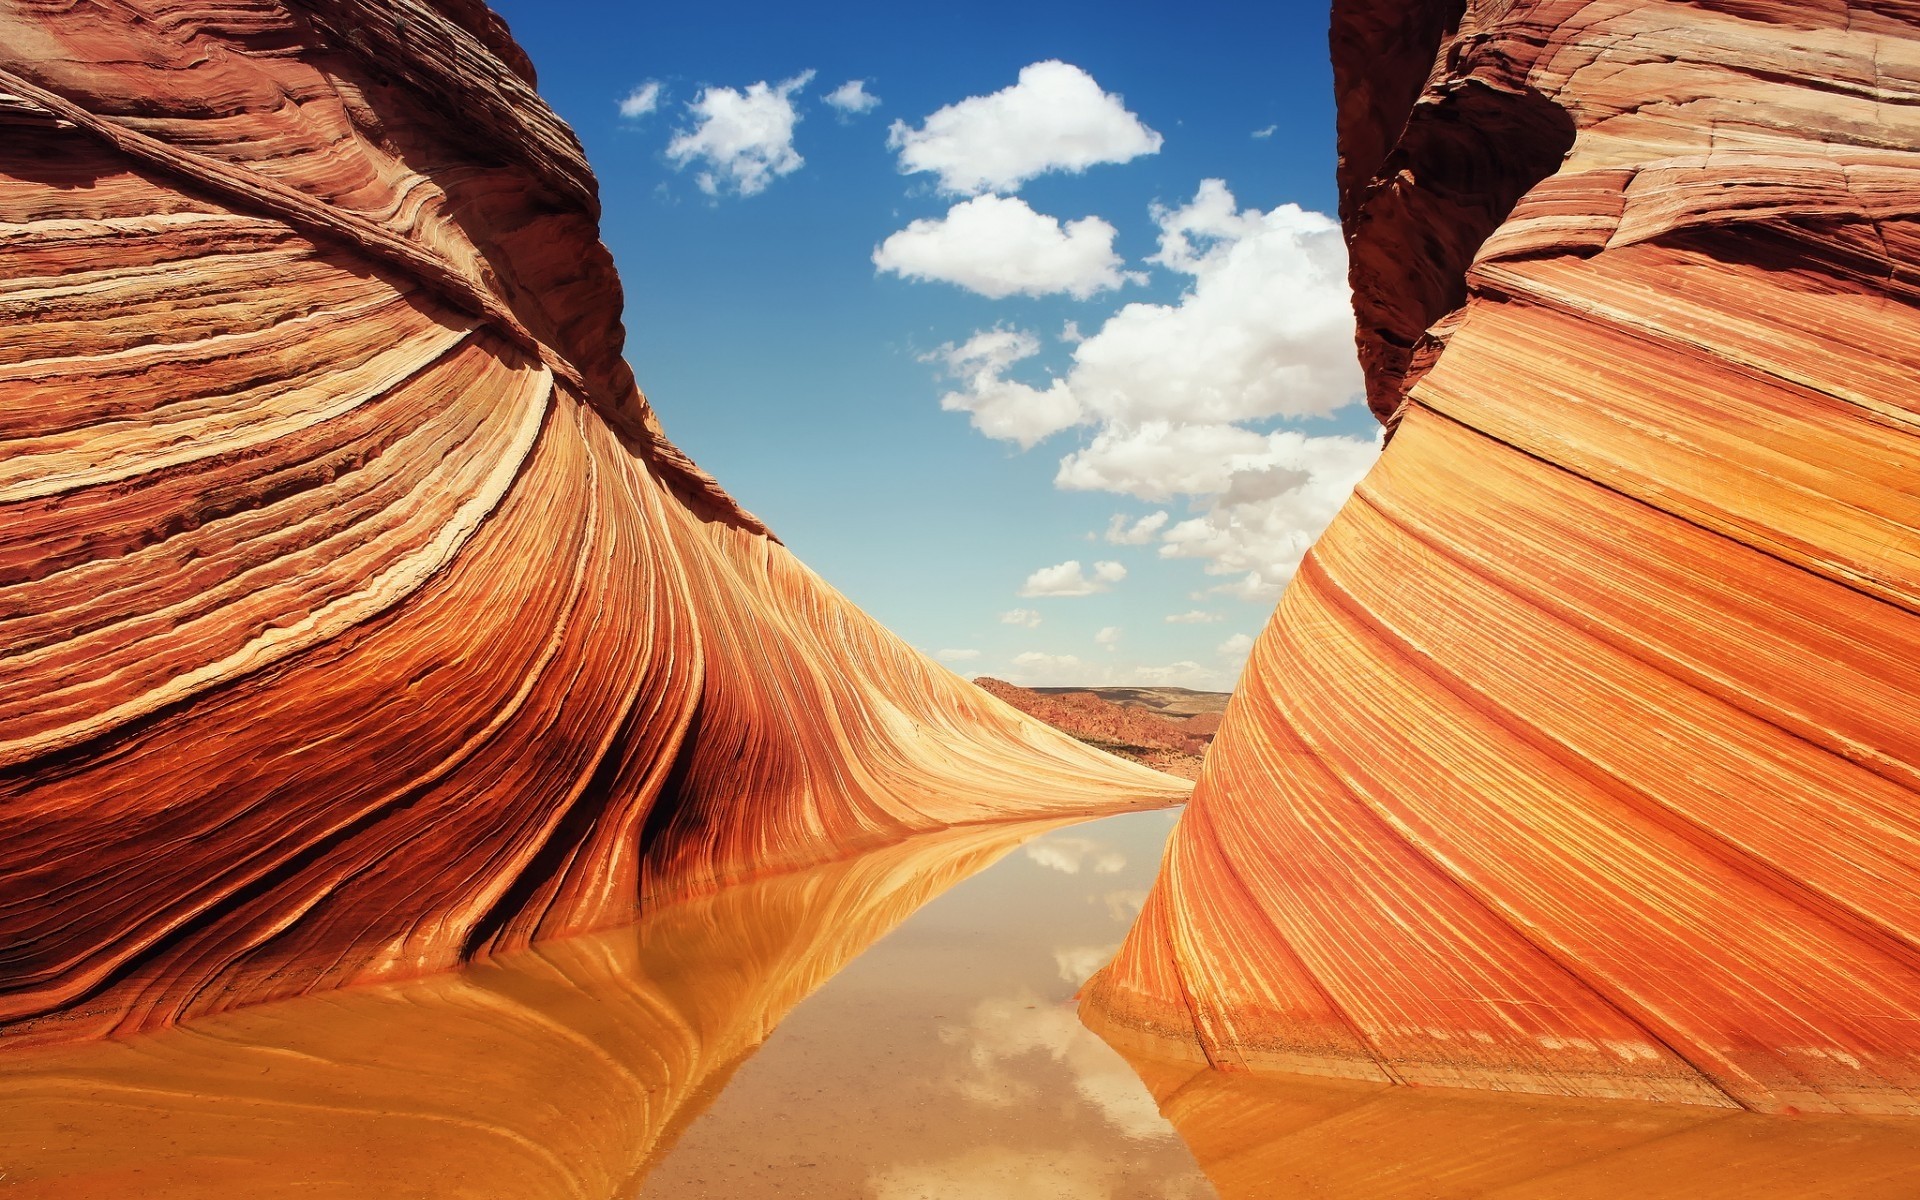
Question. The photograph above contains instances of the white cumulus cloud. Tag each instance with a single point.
(852, 98)
(1265, 330)
(998, 246)
(1108, 637)
(1236, 646)
(1070, 579)
(642, 100)
(1026, 618)
(1183, 398)
(745, 139)
(1265, 133)
(1055, 118)
(1195, 617)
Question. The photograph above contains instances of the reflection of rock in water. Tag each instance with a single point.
(555, 1071)
(1581, 756)
(1264, 1136)
(356, 615)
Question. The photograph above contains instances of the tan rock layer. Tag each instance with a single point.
(1580, 756)
(355, 615)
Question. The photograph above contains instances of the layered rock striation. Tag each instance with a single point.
(356, 617)
(1581, 755)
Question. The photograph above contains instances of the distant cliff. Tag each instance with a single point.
(1171, 744)
(356, 616)
(1581, 755)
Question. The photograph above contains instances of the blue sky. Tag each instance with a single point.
(801, 356)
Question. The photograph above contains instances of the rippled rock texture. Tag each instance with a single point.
(1581, 756)
(356, 617)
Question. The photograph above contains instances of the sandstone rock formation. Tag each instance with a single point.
(356, 617)
(1581, 756)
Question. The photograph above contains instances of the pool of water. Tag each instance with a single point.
(896, 1026)
(947, 1060)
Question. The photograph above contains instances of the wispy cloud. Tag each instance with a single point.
(1122, 532)
(642, 100)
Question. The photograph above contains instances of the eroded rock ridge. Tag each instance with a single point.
(356, 616)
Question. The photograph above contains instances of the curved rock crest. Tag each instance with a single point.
(356, 617)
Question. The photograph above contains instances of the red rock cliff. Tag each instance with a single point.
(1581, 755)
(356, 617)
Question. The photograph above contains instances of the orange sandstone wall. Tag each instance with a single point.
(1582, 755)
(356, 617)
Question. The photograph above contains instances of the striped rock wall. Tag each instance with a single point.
(1583, 754)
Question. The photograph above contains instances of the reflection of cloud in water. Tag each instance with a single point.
(1078, 963)
(999, 1173)
(1001, 1033)
(1002, 1173)
(1125, 904)
(1071, 855)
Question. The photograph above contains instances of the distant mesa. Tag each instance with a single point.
(1167, 729)
(1581, 754)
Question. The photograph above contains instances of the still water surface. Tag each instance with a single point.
(947, 1060)
(944, 1061)
(897, 1026)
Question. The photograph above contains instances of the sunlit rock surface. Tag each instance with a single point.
(1581, 756)
(355, 615)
